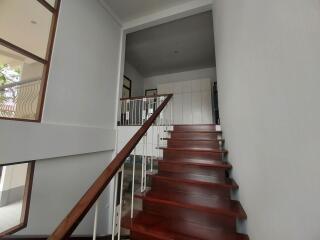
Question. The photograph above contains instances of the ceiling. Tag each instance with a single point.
(128, 10)
(181, 45)
(25, 24)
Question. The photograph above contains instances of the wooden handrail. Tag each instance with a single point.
(142, 97)
(75, 216)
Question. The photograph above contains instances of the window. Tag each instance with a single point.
(15, 192)
(27, 30)
(126, 91)
(151, 92)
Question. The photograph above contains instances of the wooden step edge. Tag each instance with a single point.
(232, 185)
(128, 223)
(193, 131)
(219, 211)
(194, 140)
(198, 124)
(213, 150)
(192, 159)
(212, 165)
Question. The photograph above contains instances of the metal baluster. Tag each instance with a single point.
(142, 164)
(146, 161)
(133, 177)
(128, 112)
(121, 113)
(124, 113)
(140, 111)
(114, 219)
(120, 210)
(158, 129)
(144, 109)
(171, 116)
(152, 136)
(95, 223)
(117, 208)
(134, 112)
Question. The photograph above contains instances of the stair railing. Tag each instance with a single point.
(134, 111)
(20, 99)
(155, 125)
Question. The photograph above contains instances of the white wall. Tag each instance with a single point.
(79, 116)
(153, 82)
(192, 101)
(136, 78)
(84, 66)
(58, 185)
(268, 56)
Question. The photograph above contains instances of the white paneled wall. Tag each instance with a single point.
(191, 100)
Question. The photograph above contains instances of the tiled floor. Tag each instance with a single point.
(10, 216)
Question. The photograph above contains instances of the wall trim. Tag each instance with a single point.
(21, 142)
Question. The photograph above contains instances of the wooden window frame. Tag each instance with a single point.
(124, 86)
(26, 201)
(45, 61)
(153, 89)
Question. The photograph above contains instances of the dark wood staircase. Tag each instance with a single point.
(189, 197)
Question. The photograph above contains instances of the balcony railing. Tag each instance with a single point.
(135, 111)
(20, 100)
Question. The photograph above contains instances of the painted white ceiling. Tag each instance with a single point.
(181, 45)
(128, 10)
(25, 24)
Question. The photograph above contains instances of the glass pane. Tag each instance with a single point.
(20, 79)
(127, 83)
(25, 24)
(151, 92)
(125, 93)
(12, 189)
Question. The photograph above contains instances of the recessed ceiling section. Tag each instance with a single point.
(181, 45)
(128, 10)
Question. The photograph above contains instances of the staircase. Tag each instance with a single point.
(189, 198)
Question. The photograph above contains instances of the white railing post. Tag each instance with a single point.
(133, 184)
(95, 222)
(152, 146)
(127, 112)
(171, 113)
(143, 165)
(117, 206)
(135, 112)
(158, 130)
(144, 109)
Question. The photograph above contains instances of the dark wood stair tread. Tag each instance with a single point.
(198, 162)
(197, 180)
(191, 125)
(193, 131)
(211, 205)
(160, 228)
(196, 139)
(190, 194)
(197, 149)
